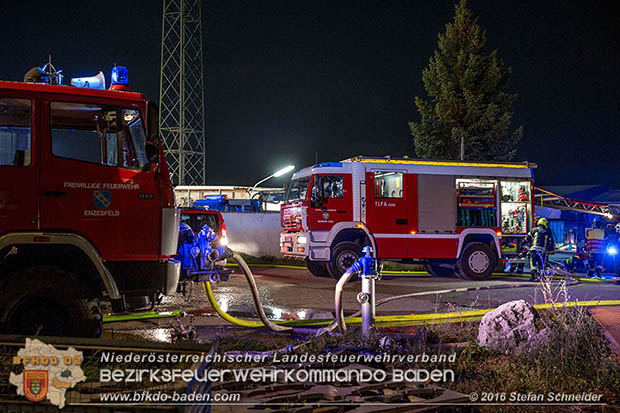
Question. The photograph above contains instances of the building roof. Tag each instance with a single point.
(566, 190)
(577, 192)
(609, 197)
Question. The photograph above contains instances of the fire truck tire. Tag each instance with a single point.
(477, 262)
(47, 301)
(344, 255)
(318, 268)
(437, 271)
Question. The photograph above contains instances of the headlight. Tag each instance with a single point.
(223, 241)
(302, 240)
(194, 252)
(612, 250)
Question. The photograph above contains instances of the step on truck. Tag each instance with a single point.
(456, 218)
(87, 207)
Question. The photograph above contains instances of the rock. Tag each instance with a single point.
(512, 328)
(385, 343)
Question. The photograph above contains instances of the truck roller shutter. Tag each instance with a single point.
(436, 204)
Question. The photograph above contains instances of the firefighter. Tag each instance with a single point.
(542, 244)
(595, 246)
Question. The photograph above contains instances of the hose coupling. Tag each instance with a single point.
(362, 297)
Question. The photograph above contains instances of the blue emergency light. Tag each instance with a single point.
(120, 75)
(612, 250)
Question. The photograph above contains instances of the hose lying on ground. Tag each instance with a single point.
(339, 321)
(255, 297)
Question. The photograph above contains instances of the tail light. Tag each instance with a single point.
(223, 237)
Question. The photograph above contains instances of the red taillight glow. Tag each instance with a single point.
(224, 237)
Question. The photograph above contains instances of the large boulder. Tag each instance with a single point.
(512, 328)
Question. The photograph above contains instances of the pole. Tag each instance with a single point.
(251, 191)
(462, 146)
(368, 306)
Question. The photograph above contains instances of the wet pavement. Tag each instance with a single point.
(295, 294)
(609, 319)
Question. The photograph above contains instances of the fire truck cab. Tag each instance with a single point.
(86, 207)
(455, 217)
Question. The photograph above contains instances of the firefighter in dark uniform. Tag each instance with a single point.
(542, 244)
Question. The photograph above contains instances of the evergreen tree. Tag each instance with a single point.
(466, 86)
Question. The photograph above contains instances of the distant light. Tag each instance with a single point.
(129, 115)
(284, 170)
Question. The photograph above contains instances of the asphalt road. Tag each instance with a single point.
(295, 294)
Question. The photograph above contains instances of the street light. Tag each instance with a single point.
(274, 175)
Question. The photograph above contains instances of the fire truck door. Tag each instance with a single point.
(388, 219)
(333, 203)
(96, 179)
(18, 163)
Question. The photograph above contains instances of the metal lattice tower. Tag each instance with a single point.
(181, 95)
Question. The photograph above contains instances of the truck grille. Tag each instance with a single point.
(291, 223)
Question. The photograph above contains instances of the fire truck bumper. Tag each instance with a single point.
(294, 244)
(173, 273)
(145, 278)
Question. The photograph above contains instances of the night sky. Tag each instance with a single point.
(286, 80)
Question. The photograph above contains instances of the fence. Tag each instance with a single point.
(255, 234)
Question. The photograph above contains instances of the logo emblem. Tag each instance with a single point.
(35, 384)
(325, 215)
(102, 199)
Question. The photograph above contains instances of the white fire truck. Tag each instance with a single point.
(455, 217)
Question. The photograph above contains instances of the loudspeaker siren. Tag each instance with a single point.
(92, 82)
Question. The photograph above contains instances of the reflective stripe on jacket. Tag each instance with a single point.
(595, 240)
(541, 239)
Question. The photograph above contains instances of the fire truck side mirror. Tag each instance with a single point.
(316, 196)
(152, 133)
(152, 154)
(152, 121)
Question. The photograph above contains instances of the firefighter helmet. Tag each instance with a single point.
(543, 222)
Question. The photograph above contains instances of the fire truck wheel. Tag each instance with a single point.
(438, 271)
(344, 255)
(477, 262)
(318, 268)
(47, 301)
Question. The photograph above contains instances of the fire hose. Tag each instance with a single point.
(288, 326)
(301, 326)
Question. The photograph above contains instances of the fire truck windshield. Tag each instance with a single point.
(297, 190)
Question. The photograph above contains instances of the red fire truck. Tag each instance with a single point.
(455, 217)
(86, 206)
